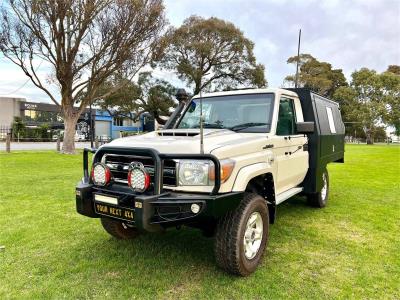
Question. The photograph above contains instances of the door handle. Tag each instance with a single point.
(268, 146)
(288, 153)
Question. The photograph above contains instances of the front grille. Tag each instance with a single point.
(119, 166)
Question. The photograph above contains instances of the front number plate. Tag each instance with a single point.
(115, 212)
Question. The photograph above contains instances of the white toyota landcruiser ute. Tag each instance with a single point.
(223, 163)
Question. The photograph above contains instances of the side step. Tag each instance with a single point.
(287, 194)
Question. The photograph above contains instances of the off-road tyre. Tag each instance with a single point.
(320, 199)
(229, 239)
(119, 230)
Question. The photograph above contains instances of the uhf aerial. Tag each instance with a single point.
(201, 122)
(298, 61)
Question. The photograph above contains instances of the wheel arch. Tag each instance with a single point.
(264, 185)
(258, 178)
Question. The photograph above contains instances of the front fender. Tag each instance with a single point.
(247, 173)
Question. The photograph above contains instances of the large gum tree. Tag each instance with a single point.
(84, 42)
(210, 54)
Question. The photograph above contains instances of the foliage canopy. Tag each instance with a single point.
(210, 54)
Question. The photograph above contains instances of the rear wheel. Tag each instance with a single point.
(241, 236)
(119, 229)
(321, 198)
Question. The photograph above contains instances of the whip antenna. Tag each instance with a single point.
(201, 124)
(298, 60)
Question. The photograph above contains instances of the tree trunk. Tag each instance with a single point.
(369, 134)
(370, 139)
(68, 146)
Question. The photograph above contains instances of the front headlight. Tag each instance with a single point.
(195, 172)
(202, 172)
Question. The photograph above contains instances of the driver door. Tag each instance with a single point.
(291, 159)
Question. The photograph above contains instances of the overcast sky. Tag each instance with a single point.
(348, 34)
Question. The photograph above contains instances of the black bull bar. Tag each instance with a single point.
(158, 163)
(147, 205)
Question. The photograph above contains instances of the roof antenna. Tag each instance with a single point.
(201, 123)
(298, 61)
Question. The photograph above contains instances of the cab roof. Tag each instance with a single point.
(247, 92)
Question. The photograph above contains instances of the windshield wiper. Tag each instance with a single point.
(246, 125)
(211, 125)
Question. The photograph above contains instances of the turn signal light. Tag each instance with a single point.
(227, 166)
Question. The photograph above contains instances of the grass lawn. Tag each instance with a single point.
(350, 249)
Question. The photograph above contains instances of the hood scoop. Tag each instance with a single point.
(177, 133)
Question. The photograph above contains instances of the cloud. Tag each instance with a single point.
(14, 83)
(348, 34)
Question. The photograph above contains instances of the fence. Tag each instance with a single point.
(353, 140)
(4, 130)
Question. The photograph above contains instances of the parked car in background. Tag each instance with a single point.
(79, 137)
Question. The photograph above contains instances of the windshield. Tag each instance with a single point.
(244, 113)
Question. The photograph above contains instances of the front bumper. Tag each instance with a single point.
(161, 208)
(154, 212)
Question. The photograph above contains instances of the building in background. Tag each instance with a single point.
(36, 114)
(113, 127)
(9, 107)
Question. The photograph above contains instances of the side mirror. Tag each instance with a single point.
(192, 107)
(305, 127)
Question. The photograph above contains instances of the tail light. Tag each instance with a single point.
(138, 178)
(101, 174)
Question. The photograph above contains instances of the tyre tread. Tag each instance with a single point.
(226, 239)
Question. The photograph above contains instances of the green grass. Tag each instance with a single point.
(350, 249)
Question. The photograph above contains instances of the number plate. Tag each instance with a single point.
(118, 212)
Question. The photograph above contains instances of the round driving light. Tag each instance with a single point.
(138, 178)
(101, 174)
(195, 208)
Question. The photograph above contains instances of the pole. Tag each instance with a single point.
(298, 60)
(201, 125)
(8, 143)
(58, 145)
(91, 125)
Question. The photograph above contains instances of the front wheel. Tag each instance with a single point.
(118, 229)
(242, 235)
(321, 198)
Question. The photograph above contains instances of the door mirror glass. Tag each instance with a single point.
(192, 107)
(305, 127)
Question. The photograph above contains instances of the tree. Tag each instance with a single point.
(210, 54)
(371, 99)
(149, 95)
(393, 69)
(18, 127)
(315, 75)
(391, 83)
(84, 42)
